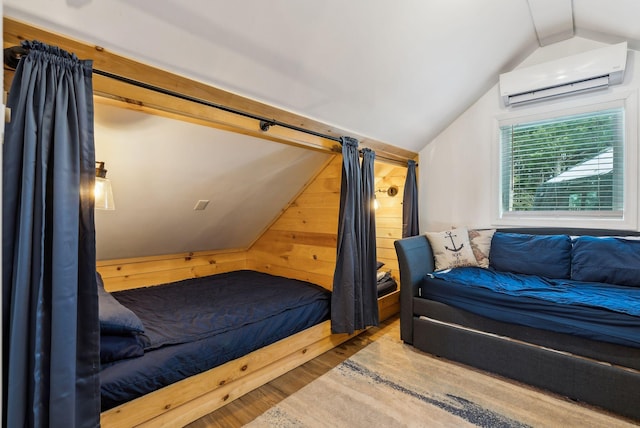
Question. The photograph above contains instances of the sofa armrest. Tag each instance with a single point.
(415, 260)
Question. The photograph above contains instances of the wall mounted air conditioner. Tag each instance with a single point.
(583, 72)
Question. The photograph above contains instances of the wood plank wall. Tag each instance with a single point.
(138, 272)
(301, 244)
(389, 214)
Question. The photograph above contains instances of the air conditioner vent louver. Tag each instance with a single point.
(579, 73)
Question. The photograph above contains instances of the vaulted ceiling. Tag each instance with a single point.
(399, 72)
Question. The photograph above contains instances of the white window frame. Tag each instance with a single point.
(586, 219)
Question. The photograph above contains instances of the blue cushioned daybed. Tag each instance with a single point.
(557, 309)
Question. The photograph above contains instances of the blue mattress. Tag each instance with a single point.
(595, 311)
(198, 324)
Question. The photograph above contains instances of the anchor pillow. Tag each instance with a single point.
(451, 248)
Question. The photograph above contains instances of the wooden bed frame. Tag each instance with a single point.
(187, 400)
(192, 398)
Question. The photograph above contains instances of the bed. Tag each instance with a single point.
(385, 283)
(187, 348)
(561, 332)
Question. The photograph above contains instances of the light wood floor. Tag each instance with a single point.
(253, 404)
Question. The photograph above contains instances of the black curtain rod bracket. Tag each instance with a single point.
(12, 56)
(264, 125)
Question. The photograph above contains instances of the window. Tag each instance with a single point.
(567, 165)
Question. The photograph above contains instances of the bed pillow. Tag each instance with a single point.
(114, 317)
(609, 260)
(480, 240)
(382, 275)
(119, 347)
(451, 248)
(543, 255)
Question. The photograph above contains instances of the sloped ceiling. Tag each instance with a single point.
(160, 168)
(399, 72)
(396, 71)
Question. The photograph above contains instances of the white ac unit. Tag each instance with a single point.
(582, 72)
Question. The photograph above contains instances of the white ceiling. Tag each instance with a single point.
(396, 71)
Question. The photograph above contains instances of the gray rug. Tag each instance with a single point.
(386, 384)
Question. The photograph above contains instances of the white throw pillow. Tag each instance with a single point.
(481, 245)
(451, 248)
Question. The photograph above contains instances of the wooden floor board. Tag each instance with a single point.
(253, 404)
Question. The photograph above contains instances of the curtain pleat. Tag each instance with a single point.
(354, 287)
(50, 308)
(410, 202)
(369, 258)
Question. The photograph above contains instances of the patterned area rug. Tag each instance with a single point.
(387, 384)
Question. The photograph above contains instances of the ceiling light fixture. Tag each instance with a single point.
(103, 192)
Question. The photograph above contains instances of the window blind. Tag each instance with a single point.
(571, 163)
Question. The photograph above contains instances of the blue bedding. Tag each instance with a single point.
(560, 306)
(198, 324)
(564, 291)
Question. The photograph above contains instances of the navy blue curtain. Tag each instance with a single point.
(368, 241)
(49, 295)
(354, 299)
(410, 202)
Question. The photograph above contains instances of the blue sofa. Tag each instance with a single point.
(549, 354)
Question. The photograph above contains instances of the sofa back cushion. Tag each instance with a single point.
(480, 240)
(544, 255)
(610, 260)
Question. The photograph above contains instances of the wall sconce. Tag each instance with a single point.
(391, 191)
(103, 192)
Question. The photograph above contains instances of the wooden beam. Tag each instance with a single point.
(150, 101)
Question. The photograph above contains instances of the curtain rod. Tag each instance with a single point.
(265, 123)
(13, 54)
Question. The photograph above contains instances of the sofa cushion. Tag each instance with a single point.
(544, 255)
(610, 260)
(451, 248)
(480, 240)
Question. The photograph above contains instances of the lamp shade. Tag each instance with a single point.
(104, 194)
